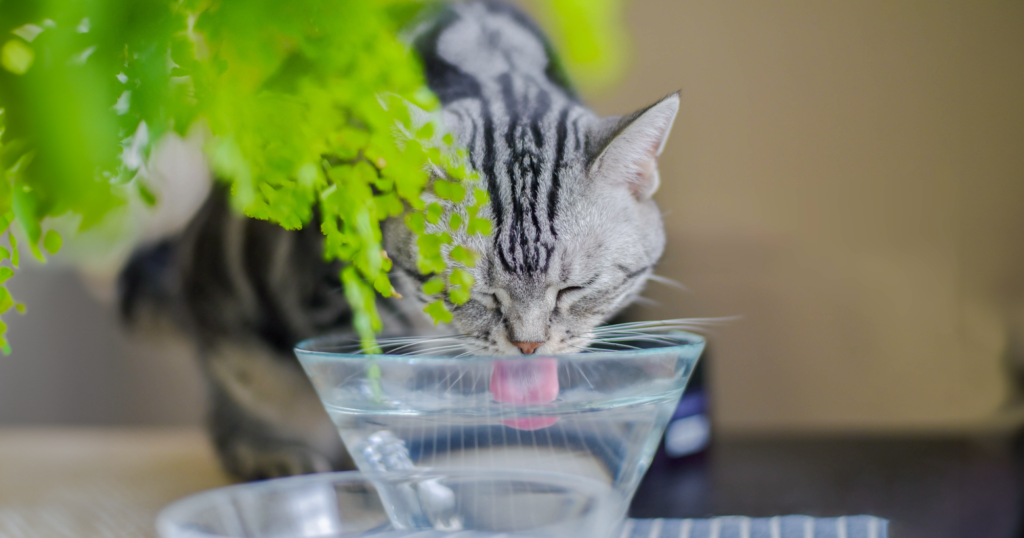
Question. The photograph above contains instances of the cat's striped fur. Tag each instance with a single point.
(576, 234)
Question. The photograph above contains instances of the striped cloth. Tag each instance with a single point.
(746, 527)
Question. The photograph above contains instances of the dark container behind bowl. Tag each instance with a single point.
(678, 481)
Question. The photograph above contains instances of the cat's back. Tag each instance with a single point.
(487, 49)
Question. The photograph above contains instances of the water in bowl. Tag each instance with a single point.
(612, 443)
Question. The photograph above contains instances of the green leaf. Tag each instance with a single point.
(426, 132)
(5, 274)
(360, 296)
(430, 259)
(449, 191)
(459, 296)
(6, 301)
(433, 286)
(373, 373)
(389, 204)
(383, 285)
(439, 312)
(464, 256)
(17, 57)
(52, 242)
(14, 248)
(430, 263)
(417, 223)
(478, 226)
(146, 195)
(434, 212)
(308, 175)
(462, 278)
(480, 197)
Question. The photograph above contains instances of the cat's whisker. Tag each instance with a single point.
(427, 353)
(666, 324)
(656, 330)
(637, 338)
(583, 374)
(433, 337)
(447, 350)
(352, 347)
(457, 379)
(724, 319)
(617, 345)
(676, 320)
(591, 348)
(471, 348)
(646, 333)
(581, 349)
(437, 350)
(397, 349)
(637, 334)
(667, 282)
(406, 339)
(426, 341)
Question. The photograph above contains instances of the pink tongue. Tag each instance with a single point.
(532, 381)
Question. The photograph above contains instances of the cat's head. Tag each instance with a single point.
(576, 233)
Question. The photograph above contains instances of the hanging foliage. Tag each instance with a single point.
(301, 100)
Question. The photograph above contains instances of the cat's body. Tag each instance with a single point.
(575, 236)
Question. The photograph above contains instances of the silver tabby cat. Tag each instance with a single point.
(576, 236)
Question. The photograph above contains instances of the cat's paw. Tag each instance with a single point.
(259, 461)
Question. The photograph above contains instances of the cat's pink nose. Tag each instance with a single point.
(528, 348)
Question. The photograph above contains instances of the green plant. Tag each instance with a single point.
(301, 99)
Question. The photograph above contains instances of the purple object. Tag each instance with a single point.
(689, 430)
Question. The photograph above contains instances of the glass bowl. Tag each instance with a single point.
(469, 504)
(599, 415)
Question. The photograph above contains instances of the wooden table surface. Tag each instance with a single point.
(96, 482)
(110, 483)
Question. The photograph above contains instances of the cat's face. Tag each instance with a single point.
(576, 233)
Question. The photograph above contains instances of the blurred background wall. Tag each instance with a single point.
(73, 363)
(847, 177)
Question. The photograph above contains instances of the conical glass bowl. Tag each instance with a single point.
(597, 415)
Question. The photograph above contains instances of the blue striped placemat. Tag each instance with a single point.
(769, 527)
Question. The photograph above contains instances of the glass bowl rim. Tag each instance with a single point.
(687, 342)
(174, 517)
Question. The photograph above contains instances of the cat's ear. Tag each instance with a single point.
(628, 147)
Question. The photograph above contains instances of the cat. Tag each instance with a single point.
(576, 234)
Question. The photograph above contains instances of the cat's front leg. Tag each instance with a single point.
(251, 457)
(265, 418)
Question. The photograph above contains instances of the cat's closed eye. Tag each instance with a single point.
(566, 293)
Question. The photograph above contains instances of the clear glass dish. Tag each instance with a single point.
(598, 415)
(424, 504)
